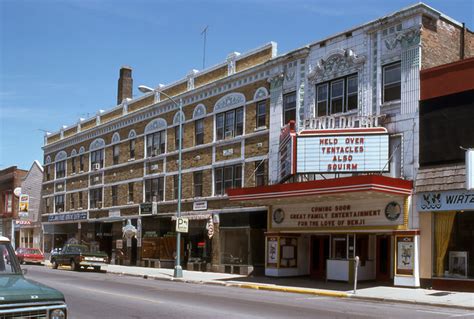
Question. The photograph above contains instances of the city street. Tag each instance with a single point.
(101, 295)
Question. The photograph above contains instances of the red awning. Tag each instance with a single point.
(364, 184)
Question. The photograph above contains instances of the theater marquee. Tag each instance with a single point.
(342, 153)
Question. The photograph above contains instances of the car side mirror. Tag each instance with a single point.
(24, 271)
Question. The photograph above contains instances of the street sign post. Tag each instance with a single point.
(182, 225)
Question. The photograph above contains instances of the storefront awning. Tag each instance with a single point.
(355, 186)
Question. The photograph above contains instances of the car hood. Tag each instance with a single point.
(15, 289)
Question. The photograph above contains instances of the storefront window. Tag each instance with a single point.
(235, 245)
(454, 251)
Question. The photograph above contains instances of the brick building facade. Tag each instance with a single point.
(99, 171)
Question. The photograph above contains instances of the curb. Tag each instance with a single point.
(410, 302)
(307, 291)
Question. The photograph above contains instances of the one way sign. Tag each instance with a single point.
(182, 224)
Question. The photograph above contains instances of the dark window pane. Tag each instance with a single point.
(261, 114)
(239, 122)
(220, 126)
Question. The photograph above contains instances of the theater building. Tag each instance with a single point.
(445, 196)
(344, 170)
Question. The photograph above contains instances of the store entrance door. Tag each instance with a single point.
(319, 255)
(383, 258)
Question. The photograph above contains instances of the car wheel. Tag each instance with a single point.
(54, 264)
(74, 266)
(97, 268)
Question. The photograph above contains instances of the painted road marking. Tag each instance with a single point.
(119, 295)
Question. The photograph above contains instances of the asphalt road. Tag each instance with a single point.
(91, 295)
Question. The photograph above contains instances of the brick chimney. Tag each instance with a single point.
(125, 84)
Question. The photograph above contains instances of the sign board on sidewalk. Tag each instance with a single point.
(182, 225)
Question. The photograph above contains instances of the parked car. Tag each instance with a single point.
(23, 298)
(78, 256)
(29, 255)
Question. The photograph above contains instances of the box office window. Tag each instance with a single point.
(339, 247)
(453, 255)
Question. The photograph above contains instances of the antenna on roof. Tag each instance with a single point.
(204, 50)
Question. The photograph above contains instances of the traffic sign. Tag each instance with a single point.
(182, 225)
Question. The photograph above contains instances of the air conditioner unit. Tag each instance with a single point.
(60, 210)
(96, 178)
(155, 153)
(154, 167)
(99, 204)
(229, 134)
(60, 186)
(95, 166)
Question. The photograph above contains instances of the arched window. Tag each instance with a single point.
(155, 133)
(229, 112)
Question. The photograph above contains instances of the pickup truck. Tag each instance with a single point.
(23, 298)
(78, 256)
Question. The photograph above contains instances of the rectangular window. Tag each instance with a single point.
(392, 79)
(175, 186)
(116, 154)
(261, 114)
(260, 173)
(97, 159)
(176, 136)
(227, 177)
(8, 200)
(71, 201)
(81, 163)
(95, 198)
(132, 148)
(130, 192)
(155, 143)
(59, 203)
(230, 124)
(73, 165)
(47, 203)
(80, 199)
(337, 96)
(48, 172)
(154, 190)
(322, 100)
(199, 132)
(114, 195)
(197, 182)
(60, 169)
(352, 86)
(289, 107)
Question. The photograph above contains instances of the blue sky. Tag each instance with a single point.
(59, 60)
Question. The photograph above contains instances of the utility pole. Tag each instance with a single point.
(204, 50)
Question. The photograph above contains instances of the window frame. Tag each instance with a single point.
(130, 193)
(8, 202)
(197, 184)
(232, 122)
(289, 107)
(384, 85)
(95, 196)
(59, 203)
(97, 156)
(260, 173)
(131, 148)
(224, 176)
(150, 185)
(199, 132)
(175, 186)
(261, 118)
(60, 167)
(160, 146)
(116, 154)
(114, 195)
(329, 98)
(73, 164)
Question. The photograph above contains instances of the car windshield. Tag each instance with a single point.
(78, 249)
(8, 263)
(33, 251)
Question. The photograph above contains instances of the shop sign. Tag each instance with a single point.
(210, 228)
(67, 217)
(405, 255)
(342, 153)
(342, 122)
(24, 203)
(333, 215)
(286, 154)
(182, 225)
(445, 201)
(201, 205)
(114, 213)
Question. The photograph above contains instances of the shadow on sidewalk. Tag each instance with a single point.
(307, 282)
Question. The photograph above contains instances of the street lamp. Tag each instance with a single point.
(178, 271)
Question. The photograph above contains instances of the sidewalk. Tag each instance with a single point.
(304, 285)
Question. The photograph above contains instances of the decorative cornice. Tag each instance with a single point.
(229, 101)
(406, 39)
(336, 63)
